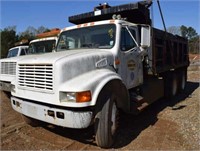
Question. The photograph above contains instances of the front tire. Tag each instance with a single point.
(106, 123)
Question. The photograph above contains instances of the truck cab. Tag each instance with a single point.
(118, 38)
(42, 45)
(17, 51)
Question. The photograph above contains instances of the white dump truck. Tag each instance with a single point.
(44, 43)
(8, 66)
(111, 60)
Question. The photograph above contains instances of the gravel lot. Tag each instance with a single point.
(164, 125)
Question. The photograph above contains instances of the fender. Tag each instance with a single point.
(12, 86)
(94, 81)
(119, 89)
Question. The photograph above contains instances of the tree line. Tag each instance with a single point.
(9, 36)
(189, 33)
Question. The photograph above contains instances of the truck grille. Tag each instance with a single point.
(8, 68)
(36, 76)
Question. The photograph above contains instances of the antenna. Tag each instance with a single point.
(161, 15)
(152, 16)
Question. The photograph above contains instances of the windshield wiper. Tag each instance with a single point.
(104, 47)
(89, 45)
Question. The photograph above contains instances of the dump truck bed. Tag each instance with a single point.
(168, 51)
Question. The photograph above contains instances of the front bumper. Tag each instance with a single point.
(5, 86)
(53, 115)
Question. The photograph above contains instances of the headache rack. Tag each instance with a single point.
(134, 12)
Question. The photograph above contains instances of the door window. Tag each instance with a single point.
(22, 52)
(127, 41)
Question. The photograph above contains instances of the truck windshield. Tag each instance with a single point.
(41, 46)
(100, 36)
(13, 52)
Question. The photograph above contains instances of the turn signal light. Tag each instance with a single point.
(83, 96)
(117, 62)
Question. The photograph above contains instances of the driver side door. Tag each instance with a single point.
(130, 68)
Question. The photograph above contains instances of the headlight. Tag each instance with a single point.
(71, 96)
(78, 97)
(12, 87)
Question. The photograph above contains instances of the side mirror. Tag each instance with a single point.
(145, 36)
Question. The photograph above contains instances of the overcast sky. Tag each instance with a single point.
(52, 14)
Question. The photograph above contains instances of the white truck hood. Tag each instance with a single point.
(70, 64)
(82, 62)
(51, 73)
(15, 59)
(51, 58)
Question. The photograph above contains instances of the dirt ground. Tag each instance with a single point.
(164, 125)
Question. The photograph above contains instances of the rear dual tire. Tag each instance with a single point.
(171, 84)
(182, 80)
(174, 82)
(174, 87)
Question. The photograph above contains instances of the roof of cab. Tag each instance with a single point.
(18, 47)
(44, 39)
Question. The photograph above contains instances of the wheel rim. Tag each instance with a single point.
(114, 119)
(174, 87)
(183, 82)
